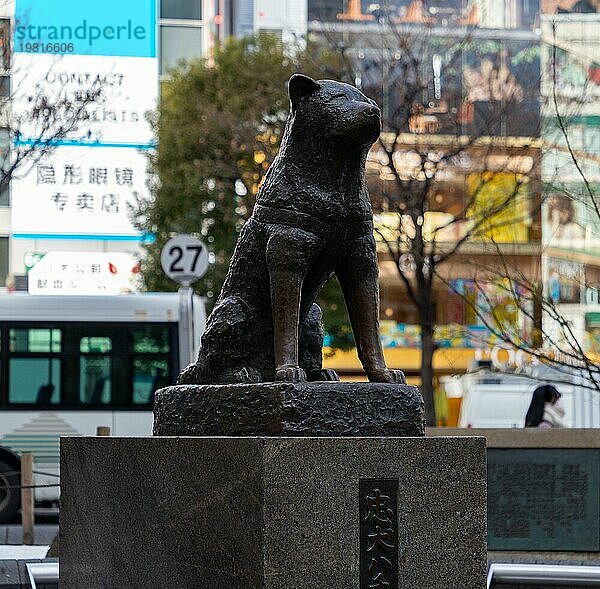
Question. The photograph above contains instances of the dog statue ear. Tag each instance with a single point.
(300, 86)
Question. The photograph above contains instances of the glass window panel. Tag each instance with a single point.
(151, 339)
(5, 43)
(5, 162)
(95, 385)
(184, 9)
(95, 345)
(148, 376)
(177, 43)
(34, 340)
(4, 137)
(276, 34)
(3, 256)
(4, 201)
(34, 380)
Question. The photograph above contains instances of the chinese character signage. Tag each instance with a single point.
(81, 190)
(378, 533)
(84, 273)
(105, 66)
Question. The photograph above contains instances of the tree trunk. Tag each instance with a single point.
(427, 349)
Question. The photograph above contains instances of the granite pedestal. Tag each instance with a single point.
(269, 512)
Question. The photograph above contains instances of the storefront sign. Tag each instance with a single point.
(84, 81)
(84, 273)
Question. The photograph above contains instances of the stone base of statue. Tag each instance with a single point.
(273, 513)
(271, 507)
(289, 409)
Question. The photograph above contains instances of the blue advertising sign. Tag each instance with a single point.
(64, 27)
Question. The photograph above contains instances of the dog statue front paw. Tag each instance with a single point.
(387, 375)
(289, 373)
(326, 374)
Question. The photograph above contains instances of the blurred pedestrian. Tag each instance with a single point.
(545, 409)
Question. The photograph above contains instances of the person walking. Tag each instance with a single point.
(545, 409)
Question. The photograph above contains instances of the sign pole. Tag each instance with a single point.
(186, 325)
(184, 259)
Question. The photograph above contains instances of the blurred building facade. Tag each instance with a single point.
(481, 67)
(545, 58)
(286, 19)
(571, 172)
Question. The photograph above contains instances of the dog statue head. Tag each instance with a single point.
(334, 111)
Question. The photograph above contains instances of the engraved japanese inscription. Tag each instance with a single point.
(378, 533)
(543, 499)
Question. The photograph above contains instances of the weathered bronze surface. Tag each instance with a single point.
(289, 409)
(312, 218)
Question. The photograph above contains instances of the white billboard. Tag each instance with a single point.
(90, 69)
(125, 88)
(80, 190)
(89, 273)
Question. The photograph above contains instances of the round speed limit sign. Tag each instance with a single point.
(184, 259)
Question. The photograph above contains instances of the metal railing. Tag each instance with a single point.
(43, 573)
(543, 574)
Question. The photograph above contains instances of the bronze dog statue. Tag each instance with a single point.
(312, 218)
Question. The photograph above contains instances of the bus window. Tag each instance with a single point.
(90, 345)
(34, 340)
(95, 370)
(34, 366)
(94, 380)
(151, 339)
(34, 380)
(151, 348)
(149, 375)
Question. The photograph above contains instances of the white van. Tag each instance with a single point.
(495, 400)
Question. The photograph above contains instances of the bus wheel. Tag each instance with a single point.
(9, 492)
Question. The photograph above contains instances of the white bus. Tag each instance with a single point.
(69, 364)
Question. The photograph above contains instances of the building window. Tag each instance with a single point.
(3, 260)
(4, 165)
(178, 43)
(181, 9)
(276, 34)
(4, 43)
(4, 86)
